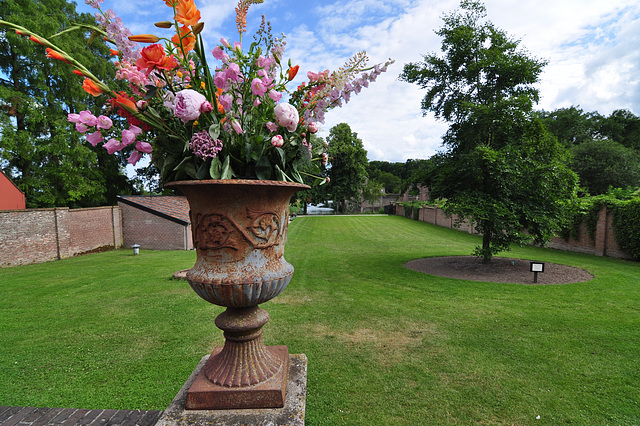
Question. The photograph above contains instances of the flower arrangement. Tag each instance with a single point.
(238, 119)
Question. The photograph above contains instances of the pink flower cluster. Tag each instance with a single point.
(117, 32)
(86, 121)
(204, 146)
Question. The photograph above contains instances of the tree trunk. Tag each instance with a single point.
(486, 245)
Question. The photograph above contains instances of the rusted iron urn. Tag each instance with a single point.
(239, 232)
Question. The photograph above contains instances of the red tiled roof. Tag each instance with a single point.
(170, 206)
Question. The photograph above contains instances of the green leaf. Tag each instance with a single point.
(182, 163)
(282, 175)
(214, 131)
(227, 172)
(263, 168)
(203, 170)
(190, 170)
(215, 171)
(283, 161)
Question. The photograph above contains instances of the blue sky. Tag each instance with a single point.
(593, 49)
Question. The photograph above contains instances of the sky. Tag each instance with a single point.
(592, 48)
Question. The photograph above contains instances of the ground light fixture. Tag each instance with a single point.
(535, 268)
(136, 249)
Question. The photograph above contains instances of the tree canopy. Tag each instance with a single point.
(348, 160)
(501, 169)
(39, 149)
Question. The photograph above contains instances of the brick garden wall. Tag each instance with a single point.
(153, 232)
(604, 243)
(40, 235)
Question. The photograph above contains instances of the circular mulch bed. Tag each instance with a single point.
(500, 270)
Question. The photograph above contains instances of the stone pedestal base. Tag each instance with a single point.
(204, 395)
(292, 413)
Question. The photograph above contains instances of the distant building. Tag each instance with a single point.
(156, 222)
(11, 198)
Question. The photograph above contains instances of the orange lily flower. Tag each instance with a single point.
(35, 39)
(187, 13)
(127, 104)
(114, 52)
(91, 88)
(293, 71)
(55, 55)
(188, 39)
(220, 108)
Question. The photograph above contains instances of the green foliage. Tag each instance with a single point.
(604, 164)
(502, 170)
(39, 149)
(572, 126)
(626, 221)
(348, 160)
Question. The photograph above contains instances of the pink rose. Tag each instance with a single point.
(187, 105)
(277, 141)
(287, 116)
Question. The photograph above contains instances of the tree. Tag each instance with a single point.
(46, 158)
(572, 126)
(502, 169)
(605, 164)
(348, 161)
(623, 127)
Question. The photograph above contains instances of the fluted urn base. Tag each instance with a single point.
(244, 373)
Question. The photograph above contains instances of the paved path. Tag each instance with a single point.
(23, 416)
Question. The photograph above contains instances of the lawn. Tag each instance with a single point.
(386, 345)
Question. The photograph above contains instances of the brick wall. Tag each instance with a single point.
(604, 245)
(153, 232)
(40, 235)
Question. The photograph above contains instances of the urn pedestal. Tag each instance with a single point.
(239, 231)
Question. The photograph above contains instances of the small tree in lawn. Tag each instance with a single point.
(348, 164)
(502, 169)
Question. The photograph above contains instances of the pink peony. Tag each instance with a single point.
(277, 141)
(313, 128)
(287, 116)
(187, 105)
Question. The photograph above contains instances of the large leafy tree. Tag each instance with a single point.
(604, 164)
(501, 169)
(39, 148)
(348, 164)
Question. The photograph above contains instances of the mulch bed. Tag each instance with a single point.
(500, 270)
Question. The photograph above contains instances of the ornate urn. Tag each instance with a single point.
(239, 231)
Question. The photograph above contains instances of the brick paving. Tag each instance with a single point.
(23, 416)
